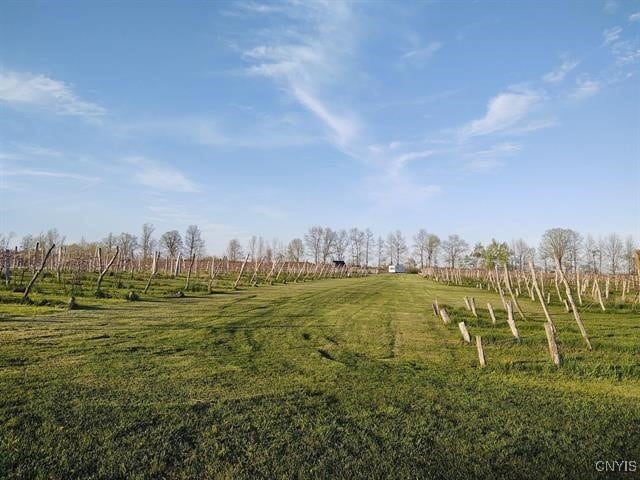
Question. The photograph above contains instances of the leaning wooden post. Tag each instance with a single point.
(25, 297)
(491, 313)
(481, 358)
(553, 346)
(467, 304)
(537, 289)
(445, 316)
(154, 270)
(507, 281)
(572, 303)
(235, 285)
(472, 303)
(435, 307)
(193, 259)
(511, 322)
(464, 332)
(106, 269)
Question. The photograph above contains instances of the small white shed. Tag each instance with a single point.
(397, 268)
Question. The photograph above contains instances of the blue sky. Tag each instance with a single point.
(485, 119)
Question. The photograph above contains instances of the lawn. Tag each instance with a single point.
(335, 378)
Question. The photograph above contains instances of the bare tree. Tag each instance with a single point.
(193, 242)
(613, 249)
(420, 245)
(128, 244)
(252, 247)
(341, 243)
(234, 250)
(432, 246)
(171, 242)
(521, 252)
(313, 240)
(629, 252)
(328, 243)
(381, 249)
(146, 240)
(396, 246)
(556, 242)
(295, 250)
(368, 245)
(108, 243)
(454, 248)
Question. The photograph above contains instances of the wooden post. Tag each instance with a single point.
(551, 340)
(511, 322)
(445, 316)
(235, 285)
(466, 303)
(481, 358)
(154, 270)
(435, 307)
(464, 332)
(493, 315)
(472, 302)
(576, 314)
(193, 259)
(507, 281)
(535, 286)
(106, 269)
(25, 297)
(566, 305)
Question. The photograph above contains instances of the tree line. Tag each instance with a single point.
(360, 247)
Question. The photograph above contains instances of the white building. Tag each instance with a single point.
(397, 268)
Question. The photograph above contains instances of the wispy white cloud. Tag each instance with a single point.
(158, 176)
(46, 174)
(489, 159)
(634, 17)
(17, 88)
(308, 63)
(422, 54)
(585, 87)
(557, 75)
(610, 35)
(610, 6)
(504, 111)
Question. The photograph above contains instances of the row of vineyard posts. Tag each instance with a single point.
(19, 266)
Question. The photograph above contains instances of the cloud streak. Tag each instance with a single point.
(159, 177)
(17, 88)
(504, 111)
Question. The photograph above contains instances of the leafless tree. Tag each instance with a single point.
(420, 245)
(295, 250)
(128, 244)
(313, 241)
(328, 243)
(396, 246)
(432, 246)
(454, 248)
(341, 243)
(171, 242)
(521, 252)
(629, 252)
(368, 245)
(193, 242)
(234, 250)
(252, 247)
(381, 249)
(613, 250)
(556, 243)
(146, 240)
(108, 243)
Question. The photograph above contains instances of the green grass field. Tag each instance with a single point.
(338, 378)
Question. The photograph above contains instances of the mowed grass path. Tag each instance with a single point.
(345, 378)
